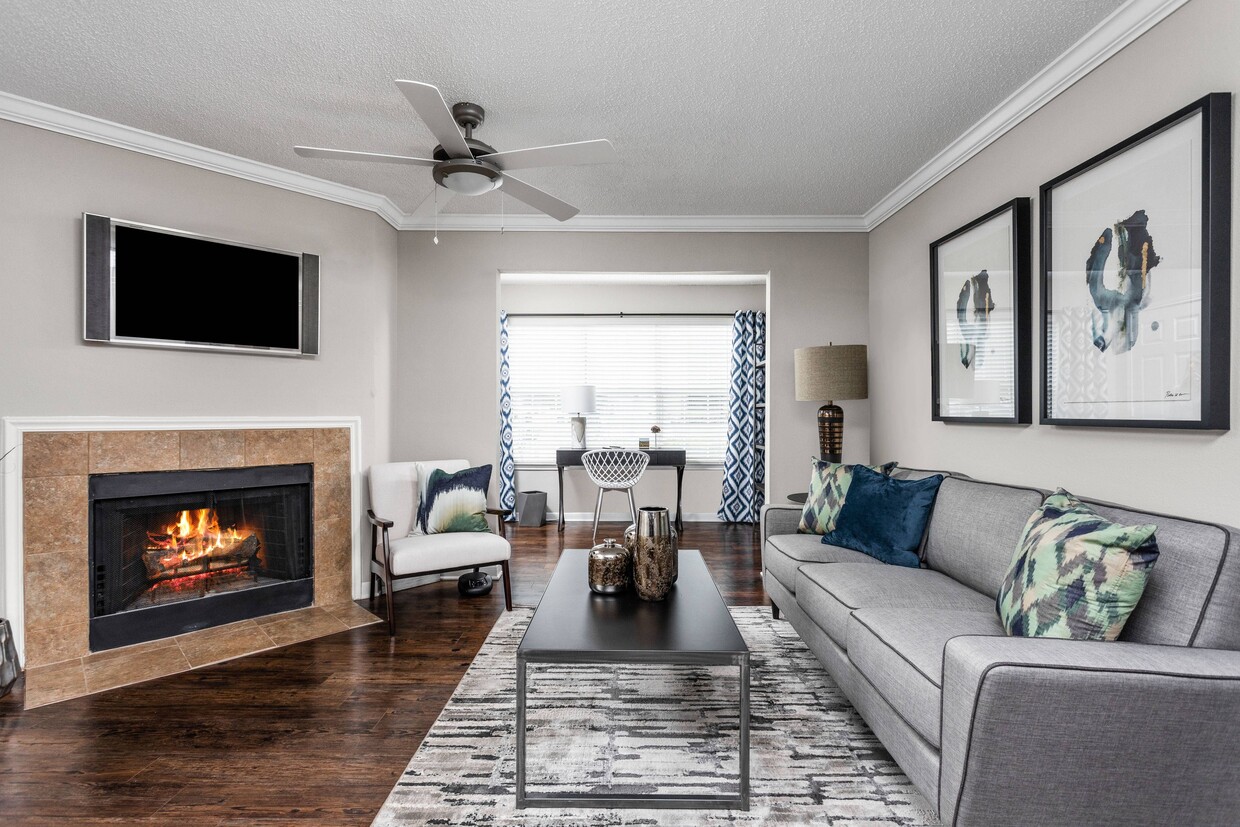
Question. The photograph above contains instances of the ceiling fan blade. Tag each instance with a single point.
(539, 200)
(427, 208)
(349, 155)
(434, 112)
(557, 155)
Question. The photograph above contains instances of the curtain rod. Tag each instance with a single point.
(620, 315)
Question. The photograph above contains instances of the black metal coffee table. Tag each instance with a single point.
(692, 627)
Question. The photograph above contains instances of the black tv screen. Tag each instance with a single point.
(176, 288)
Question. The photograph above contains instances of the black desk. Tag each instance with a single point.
(662, 457)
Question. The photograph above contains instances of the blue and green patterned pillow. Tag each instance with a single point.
(1075, 574)
(828, 486)
(455, 502)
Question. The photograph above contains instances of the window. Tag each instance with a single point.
(673, 372)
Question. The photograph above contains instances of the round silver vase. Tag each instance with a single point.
(609, 568)
(654, 555)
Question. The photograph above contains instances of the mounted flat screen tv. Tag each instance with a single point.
(156, 287)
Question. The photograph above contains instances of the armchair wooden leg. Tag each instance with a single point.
(507, 585)
(372, 588)
(391, 612)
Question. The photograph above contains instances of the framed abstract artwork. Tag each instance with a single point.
(980, 321)
(1136, 257)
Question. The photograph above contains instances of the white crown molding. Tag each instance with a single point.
(1120, 28)
(14, 428)
(525, 222)
(1123, 26)
(45, 116)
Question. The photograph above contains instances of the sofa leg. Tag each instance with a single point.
(774, 611)
(507, 585)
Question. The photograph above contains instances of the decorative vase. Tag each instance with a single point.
(630, 543)
(9, 667)
(609, 568)
(655, 553)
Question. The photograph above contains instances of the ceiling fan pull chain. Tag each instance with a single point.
(501, 212)
(436, 239)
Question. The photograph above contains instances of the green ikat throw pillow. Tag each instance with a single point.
(828, 485)
(1075, 574)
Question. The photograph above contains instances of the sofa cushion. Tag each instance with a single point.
(1075, 574)
(900, 652)
(885, 518)
(1192, 597)
(974, 530)
(431, 552)
(828, 486)
(829, 592)
(785, 553)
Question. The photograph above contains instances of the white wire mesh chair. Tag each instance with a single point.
(614, 469)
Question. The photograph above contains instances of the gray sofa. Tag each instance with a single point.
(996, 730)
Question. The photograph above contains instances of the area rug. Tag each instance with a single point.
(649, 729)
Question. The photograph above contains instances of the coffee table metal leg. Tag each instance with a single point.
(744, 763)
(520, 732)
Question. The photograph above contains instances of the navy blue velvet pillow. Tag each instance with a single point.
(885, 517)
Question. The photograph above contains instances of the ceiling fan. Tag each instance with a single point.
(466, 166)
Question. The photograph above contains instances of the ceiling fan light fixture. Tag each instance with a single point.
(468, 177)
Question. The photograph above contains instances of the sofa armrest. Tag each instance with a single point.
(779, 519)
(1041, 731)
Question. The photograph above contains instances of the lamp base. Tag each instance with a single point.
(579, 431)
(831, 433)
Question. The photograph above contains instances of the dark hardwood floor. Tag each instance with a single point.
(314, 732)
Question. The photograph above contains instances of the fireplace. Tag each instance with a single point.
(177, 551)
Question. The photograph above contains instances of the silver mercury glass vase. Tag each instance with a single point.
(655, 554)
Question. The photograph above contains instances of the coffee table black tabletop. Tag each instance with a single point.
(692, 626)
(572, 623)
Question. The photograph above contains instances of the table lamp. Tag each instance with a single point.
(578, 400)
(825, 374)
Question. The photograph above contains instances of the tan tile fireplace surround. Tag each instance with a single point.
(55, 469)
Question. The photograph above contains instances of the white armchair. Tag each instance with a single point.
(395, 492)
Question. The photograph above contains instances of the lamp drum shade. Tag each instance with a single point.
(577, 399)
(831, 372)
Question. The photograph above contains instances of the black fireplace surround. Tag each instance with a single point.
(177, 551)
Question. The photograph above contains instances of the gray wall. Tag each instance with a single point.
(702, 486)
(1191, 53)
(447, 384)
(50, 179)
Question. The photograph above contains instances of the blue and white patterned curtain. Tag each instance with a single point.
(743, 466)
(507, 468)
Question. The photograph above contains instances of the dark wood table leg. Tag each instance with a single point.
(680, 480)
(560, 471)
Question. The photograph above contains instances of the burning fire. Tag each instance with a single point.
(195, 534)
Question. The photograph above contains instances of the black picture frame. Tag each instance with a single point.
(1018, 213)
(1212, 239)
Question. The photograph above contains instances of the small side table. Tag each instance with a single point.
(799, 498)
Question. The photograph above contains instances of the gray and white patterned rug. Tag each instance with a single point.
(654, 729)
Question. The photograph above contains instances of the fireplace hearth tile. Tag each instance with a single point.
(114, 452)
(54, 514)
(59, 682)
(53, 454)
(224, 643)
(279, 447)
(130, 651)
(351, 614)
(59, 583)
(53, 644)
(135, 667)
(212, 449)
(303, 624)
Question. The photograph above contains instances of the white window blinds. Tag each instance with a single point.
(673, 372)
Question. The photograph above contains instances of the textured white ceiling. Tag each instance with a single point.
(736, 107)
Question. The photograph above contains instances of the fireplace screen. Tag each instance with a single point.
(181, 550)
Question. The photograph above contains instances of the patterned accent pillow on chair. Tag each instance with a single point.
(1075, 574)
(455, 502)
(828, 485)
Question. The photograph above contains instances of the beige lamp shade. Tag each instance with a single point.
(831, 372)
